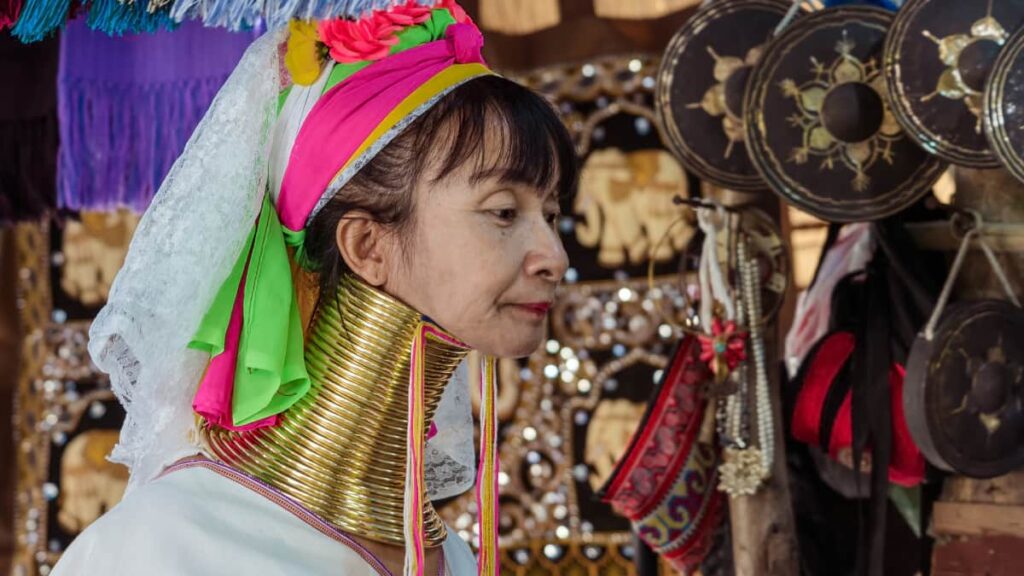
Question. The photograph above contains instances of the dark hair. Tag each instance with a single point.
(535, 148)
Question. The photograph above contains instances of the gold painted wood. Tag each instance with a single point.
(520, 17)
(640, 9)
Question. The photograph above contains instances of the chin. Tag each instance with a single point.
(513, 344)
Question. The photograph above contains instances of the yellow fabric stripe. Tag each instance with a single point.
(443, 80)
(488, 498)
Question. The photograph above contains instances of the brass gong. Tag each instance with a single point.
(938, 56)
(701, 83)
(963, 395)
(818, 124)
(1004, 106)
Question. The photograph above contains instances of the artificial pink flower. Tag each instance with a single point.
(457, 12)
(369, 38)
(724, 348)
(10, 10)
(408, 14)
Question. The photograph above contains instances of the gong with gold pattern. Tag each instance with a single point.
(1004, 106)
(701, 84)
(818, 124)
(938, 57)
(963, 394)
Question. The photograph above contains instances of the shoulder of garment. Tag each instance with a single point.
(197, 522)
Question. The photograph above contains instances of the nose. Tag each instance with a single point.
(546, 258)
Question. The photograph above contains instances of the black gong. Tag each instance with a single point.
(964, 390)
(818, 124)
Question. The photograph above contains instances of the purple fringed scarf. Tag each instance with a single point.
(128, 105)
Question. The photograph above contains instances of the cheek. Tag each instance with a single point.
(461, 277)
(459, 274)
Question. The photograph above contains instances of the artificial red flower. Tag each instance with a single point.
(408, 14)
(10, 10)
(369, 38)
(457, 12)
(724, 348)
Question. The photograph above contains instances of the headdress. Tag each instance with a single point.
(209, 272)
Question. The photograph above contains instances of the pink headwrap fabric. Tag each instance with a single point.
(348, 114)
(348, 124)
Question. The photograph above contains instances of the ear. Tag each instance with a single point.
(364, 244)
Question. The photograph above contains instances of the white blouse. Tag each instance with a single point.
(202, 518)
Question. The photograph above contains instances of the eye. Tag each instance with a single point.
(506, 215)
(552, 217)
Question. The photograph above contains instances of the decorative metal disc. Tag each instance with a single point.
(818, 124)
(701, 84)
(1004, 106)
(964, 391)
(937, 59)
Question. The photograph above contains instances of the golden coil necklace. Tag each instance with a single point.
(341, 450)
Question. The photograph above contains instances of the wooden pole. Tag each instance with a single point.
(763, 530)
(764, 539)
(9, 340)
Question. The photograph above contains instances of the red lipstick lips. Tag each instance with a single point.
(537, 307)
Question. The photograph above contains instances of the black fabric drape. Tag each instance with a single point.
(28, 128)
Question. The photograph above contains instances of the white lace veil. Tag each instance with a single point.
(184, 247)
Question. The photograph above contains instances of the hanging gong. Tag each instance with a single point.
(701, 82)
(964, 390)
(938, 56)
(818, 124)
(1004, 106)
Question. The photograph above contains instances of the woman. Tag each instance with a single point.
(413, 196)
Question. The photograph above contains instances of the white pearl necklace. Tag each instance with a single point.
(748, 457)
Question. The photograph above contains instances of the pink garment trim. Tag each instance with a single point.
(414, 451)
(291, 506)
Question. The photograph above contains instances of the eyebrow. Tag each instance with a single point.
(502, 174)
(508, 176)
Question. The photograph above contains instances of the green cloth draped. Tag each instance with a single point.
(270, 373)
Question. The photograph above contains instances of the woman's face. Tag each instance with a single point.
(482, 260)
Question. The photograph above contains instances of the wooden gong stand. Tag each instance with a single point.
(979, 524)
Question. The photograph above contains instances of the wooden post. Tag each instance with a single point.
(764, 539)
(763, 530)
(10, 336)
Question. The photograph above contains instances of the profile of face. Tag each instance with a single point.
(481, 258)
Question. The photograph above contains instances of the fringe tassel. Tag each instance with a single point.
(9, 12)
(231, 14)
(121, 127)
(640, 9)
(414, 481)
(119, 141)
(244, 14)
(116, 18)
(39, 18)
(487, 474)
